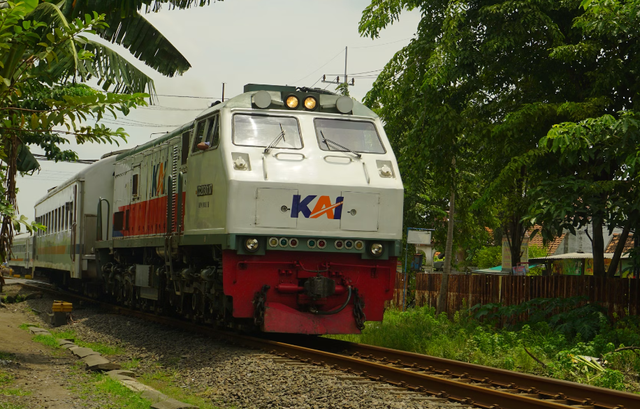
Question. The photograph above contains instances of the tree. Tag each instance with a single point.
(587, 166)
(31, 49)
(493, 78)
(80, 59)
(596, 181)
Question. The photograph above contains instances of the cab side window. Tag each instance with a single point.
(198, 136)
(213, 131)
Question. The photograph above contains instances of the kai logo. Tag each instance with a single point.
(322, 207)
(158, 174)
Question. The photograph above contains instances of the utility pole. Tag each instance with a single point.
(337, 79)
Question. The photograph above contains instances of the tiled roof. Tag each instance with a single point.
(551, 246)
(614, 242)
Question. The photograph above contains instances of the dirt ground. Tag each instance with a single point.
(45, 375)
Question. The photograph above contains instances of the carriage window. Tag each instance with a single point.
(338, 134)
(198, 136)
(213, 132)
(185, 146)
(263, 131)
(134, 185)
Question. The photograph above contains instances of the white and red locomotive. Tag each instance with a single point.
(279, 209)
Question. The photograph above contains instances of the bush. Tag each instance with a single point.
(488, 257)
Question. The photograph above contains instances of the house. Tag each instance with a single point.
(571, 254)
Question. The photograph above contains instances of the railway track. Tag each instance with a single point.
(473, 385)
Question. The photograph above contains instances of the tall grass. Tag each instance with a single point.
(545, 345)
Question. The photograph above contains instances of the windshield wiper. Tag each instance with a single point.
(325, 140)
(275, 141)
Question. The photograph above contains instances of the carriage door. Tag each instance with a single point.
(74, 253)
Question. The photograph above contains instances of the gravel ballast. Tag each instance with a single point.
(228, 375)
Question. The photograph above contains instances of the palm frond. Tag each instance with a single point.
(127, 27)
(129, 7)
(113, 71)
(118, 72)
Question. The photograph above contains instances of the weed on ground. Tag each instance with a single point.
(563, 339)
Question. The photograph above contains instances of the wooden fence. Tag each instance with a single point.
(620, 296)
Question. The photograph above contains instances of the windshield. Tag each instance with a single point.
(337, 134)
(262, 130)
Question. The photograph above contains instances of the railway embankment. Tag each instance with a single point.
(190, 368)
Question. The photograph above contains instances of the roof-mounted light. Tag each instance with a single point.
(292, 102)
(262, 99)
(344, 104)
(310, 103)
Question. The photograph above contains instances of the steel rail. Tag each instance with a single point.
(572, 392)
(462, 392)
(410, 370)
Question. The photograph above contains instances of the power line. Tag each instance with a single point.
(81, 161)
(185, 96)
(165, 108)
(319, 68)
(382, 45)
(140, 124)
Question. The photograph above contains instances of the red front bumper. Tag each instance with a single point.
(245, 276)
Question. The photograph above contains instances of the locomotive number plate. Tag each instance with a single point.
(204, 190)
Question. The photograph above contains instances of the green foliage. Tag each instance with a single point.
(488, 257)
(571, 317)
(534, 99)
(565, 351)
(6, 379)
(40, 53)
(536, 252)
(99, 386)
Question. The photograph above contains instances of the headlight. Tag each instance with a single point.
(292, 102)
(376, 249)
(310, 103)
(251, 245)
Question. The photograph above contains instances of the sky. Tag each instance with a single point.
(236, 42)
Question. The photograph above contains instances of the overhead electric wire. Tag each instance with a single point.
(162, 108)
(319, 68)
(186, 96)
(382, 45)
(42, 157)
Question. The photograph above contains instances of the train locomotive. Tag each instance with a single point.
(278, 210)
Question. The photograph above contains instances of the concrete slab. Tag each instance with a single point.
(69, 346)
(62, 341)
(154, 396)
(121, 378)
(81, 352)
(99, 363)
(136, 386)
(39, 331)
(121, 372)
(171, 404)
